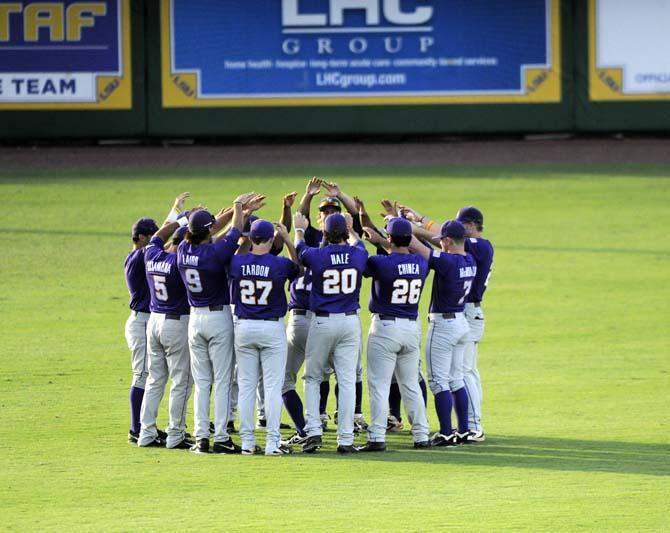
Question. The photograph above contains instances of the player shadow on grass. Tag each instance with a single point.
(539, 453)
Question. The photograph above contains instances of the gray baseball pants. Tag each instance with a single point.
(136, 338)
(260, 347)
(445, 348)
(210, 339)
(340, 335)
(393, 347)
(475, 317)
(168, 355)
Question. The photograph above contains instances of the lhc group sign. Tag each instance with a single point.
(65, 55)
(331, 52)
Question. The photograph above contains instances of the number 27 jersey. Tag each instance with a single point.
(397, 282)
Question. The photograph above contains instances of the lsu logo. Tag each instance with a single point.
(62, 23)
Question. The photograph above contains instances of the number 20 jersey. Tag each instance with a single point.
(398, 280)
(337, 272)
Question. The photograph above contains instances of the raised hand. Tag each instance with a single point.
(180, 200)
(244, 198)
(360, 206)
(410, 214)
(313, 186)
(300, 221)
(255, 203)
(332, 188)
(289, 199)
(389, 208)
(280, 229)
(372, 236)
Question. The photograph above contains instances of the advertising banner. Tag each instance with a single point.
(359, 52)
(65, 55)
(629, 50)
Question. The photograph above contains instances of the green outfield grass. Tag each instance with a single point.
(575, 364)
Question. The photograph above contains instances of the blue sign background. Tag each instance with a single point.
(208, 33)
(98, 50)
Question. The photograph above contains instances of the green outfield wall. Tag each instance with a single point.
(178, 68)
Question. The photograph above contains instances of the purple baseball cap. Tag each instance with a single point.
(179, 235)
(200, 221)
(247, 224)
(335, 223)
(399, 227)
(453, 229)
(262, 229)
(144, 226)
(470, 214)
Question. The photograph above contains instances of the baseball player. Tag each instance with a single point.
(395, 335)
(257, 287)
(167, 340)
(448, 329)
(136, 325)
(482, 250)
(335, 328)
(203, 264)
(333, 204)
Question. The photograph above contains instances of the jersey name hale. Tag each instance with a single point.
(482, 251)
(397, 282)
(336, 276)
(168, 294)
(203, 269)
(257, 285)
(454, 274)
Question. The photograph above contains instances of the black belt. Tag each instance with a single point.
(323, 313)
(216, 307)
(172, 317)
(445, 315)
(299, 312)
(477, 304)
(391, 317)
(266, 319)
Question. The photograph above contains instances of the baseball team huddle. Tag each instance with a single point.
(208, 304)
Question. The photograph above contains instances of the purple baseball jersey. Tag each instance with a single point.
(398, 280)
(203, 269)
(482, 251)
(257, 285)
(168, 294)
(136, 280)
(301, 287)
(337, 272)
(454, 274)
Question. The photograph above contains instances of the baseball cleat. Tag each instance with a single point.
(360, 423)
(256, 450)
(227, 446)
(347, 449)
(471, 437)
(372, 447)
(282, 450)
(294, 439)
(230, 426)
(324, 421)
(201, 446)
(393, 425)
(312, 444)
(133, 437)
(422, 445)
(185, 444)
(156, 443)
(444, 440)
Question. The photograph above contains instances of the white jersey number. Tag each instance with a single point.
(340, 281)
(406, 291)
(300, 284)
(193, 280)
(160, 290)
(249, 288)
(467, 286)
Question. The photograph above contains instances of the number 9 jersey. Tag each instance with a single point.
(337, 271)
(398, 280)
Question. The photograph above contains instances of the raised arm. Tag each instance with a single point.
(283, 234)
(415, 246)
(177, 207)
(425, 233)
(300, 224)
(285, 219)
(333, 189)
(363, 216)
(373, 236)
(312, 189)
